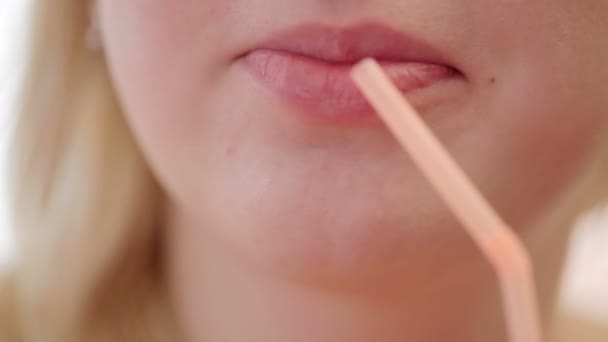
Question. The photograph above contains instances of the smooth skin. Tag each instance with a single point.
(279, 229)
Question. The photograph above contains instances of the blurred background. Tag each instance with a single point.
(585, 287)
(11, 39)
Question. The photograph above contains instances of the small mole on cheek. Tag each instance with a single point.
(492, 80)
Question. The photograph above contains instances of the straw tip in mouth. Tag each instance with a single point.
(363, 64)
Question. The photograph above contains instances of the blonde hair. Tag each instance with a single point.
(84, 202)
(86, 206)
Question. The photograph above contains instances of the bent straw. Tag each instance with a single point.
(496, 240)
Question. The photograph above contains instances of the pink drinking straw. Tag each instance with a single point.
(496, 240)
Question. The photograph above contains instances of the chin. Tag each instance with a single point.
(353, 246)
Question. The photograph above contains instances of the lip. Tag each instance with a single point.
(309, 67)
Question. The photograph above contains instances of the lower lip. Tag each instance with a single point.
(325, 91)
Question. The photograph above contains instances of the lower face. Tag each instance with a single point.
(282, 185)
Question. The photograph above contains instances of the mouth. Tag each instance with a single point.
(308, 67)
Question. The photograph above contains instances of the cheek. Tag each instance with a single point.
(162, 65)
(537, 127)
(161, 53)
(541, 138)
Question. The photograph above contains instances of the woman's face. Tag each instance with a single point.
(273, 156)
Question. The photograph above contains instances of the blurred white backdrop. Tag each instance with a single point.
(11, 63)
(585, 289)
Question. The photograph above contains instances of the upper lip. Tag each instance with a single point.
(351, 44)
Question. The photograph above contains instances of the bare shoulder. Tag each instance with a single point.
(570, 328)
